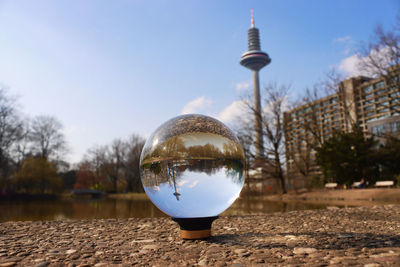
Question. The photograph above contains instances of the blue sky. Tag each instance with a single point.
(107, 69)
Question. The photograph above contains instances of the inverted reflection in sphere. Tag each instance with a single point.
(191, 166)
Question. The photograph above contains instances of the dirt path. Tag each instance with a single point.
(363, 236)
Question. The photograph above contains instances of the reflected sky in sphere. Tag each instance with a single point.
(192, 166)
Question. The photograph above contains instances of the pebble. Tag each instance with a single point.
(42, 264)
(304, 250)
(242, 252)
(142, 241)
(150, 247)
(203, 263)
(362, 236)
(100, 264)
(70, 251)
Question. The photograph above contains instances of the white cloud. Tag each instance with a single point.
(233, 111)
(195, 182)
(347, 42)
(242, 86)
(381, 57)
(181, 183)
(197, 105)
(349, 65)
(343, 39)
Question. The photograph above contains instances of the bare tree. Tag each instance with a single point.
(381, 52)
(47, 138)
(132, 174)
(97, 159)
(116, 160)
(10, 130)
(21, 148)
(245, 132)
(97, 156)
(380, 56)
(117, 163)
(276, 104)
(311, 122)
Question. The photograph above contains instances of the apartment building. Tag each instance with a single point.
(371, 104)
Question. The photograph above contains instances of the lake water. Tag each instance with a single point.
(103, 208)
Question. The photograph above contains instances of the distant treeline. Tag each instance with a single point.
(32, 152)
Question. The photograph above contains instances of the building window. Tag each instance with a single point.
(381, 98)
(370, 114)
(383, 110)
(379, 85)
(380, 92)
(334, 107)
(370, 107)
(393, 80)
(333, 100)
(367, 96)
(367, 89)
(383, 116)
(395, 94)
(368, 101)
(383, 104)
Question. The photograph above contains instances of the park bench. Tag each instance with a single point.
(331, 185)
(384, 183)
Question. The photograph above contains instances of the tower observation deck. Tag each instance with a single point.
(255, 59)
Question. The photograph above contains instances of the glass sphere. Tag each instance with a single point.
(192, 166)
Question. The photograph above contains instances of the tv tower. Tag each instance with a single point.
(255, 59)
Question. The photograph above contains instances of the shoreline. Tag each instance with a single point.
(369, 194)
(348, 236)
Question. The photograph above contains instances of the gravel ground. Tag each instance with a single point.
(365, 236)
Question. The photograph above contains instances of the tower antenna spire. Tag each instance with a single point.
(252, 17)
(255, 59)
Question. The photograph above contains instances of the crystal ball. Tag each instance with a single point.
(192, 166)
